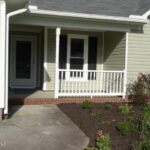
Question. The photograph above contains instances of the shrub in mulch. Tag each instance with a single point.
(139, 90)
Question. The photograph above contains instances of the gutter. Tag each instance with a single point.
(8, 16)
(35, 10)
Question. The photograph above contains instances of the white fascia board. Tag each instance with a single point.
(137, 17)
(89, 16)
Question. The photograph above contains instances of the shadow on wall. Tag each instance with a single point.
(112, 41)
(48, 78)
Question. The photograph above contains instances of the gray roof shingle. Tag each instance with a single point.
(122, 8)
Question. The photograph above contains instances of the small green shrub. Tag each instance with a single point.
(126, 127)
(90, 148)
(125, 109)
(139, 90)
(103, 142)
(87, 104)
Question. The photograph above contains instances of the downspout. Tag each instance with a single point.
(8, 16)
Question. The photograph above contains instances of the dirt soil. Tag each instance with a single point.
(107, 120)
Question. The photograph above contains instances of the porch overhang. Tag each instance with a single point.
(52, 21)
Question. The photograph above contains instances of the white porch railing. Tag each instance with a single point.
(91, 83)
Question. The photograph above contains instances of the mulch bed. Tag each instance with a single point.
(106, 121)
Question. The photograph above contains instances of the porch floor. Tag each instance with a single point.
(30, 94)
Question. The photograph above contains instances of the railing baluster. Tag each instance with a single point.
(120, 82)
(64, 84)
(102, 90)
(61, 81)
(96, 81)
(90, 82)
(114, 82)
(79, 83)
(104, 82)
(117, 83)
(115, 79)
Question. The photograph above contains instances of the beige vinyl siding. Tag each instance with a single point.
(139, 53)
(51, 60)
(114, 51)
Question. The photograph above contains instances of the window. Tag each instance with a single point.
(77, 56)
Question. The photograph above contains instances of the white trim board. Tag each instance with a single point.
(2, 53)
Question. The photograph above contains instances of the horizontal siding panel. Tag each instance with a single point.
(139, 53)
(114, 53)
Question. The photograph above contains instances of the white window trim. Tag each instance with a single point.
(85, 65)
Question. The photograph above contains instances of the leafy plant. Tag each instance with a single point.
(125, 109)
(102, 142)
(139, 90)
(126, 126)
(87, 104)
(90, 148)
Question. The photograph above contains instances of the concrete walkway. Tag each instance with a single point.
(40, 128)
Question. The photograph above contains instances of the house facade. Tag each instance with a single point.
(73, 48)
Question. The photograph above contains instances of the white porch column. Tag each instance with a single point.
(126, 67)
(45, 60)
(58, 30)
(2, 53)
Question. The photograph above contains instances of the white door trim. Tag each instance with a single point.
(22, 83)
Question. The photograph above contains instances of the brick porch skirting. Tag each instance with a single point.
(40, 101)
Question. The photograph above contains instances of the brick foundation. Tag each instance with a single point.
(39, 101)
